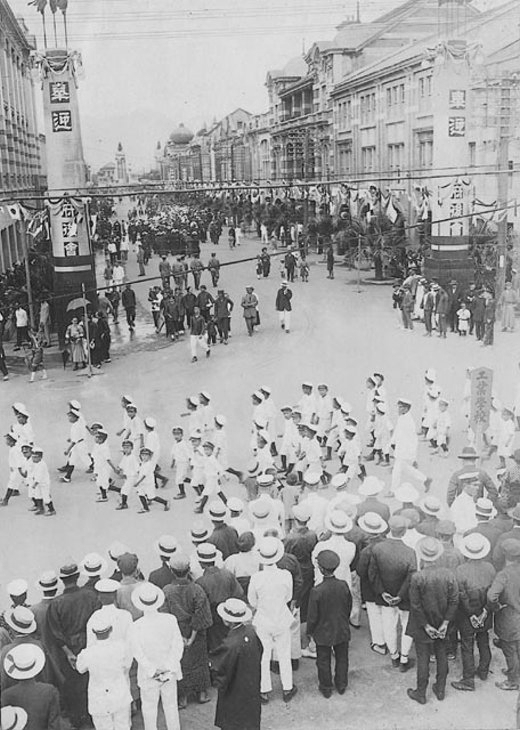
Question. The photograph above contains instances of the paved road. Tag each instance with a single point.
(339, 335)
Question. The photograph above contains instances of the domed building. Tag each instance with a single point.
(181, 136)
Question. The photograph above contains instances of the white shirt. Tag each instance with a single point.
(405, 438)
(40, 474)
(107, 663)
(152, 442)
(270, 590)
(319, 507)
(157, 645)
(241, 524)
(129, 465)
(180, 452)
(21, 317)
(346, 552)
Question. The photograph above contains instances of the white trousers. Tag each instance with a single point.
(404, 470)
(151, 692)
(282, 643)
(119, 720)
(355, 590)
(375, 623)
(391, 616)
(198, 341)
(285, 319)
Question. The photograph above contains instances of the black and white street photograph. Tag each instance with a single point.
(259, 364)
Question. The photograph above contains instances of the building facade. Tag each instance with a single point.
(21, 169)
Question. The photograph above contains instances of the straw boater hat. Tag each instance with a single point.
(116, 549)
(93, 565)
(235, 611)
(338, 522)
(484, 508)
(24, 661)
(430, 505)
(199, 533)
(234, 504)
(429, 549)
(47, 581)
(302, 512)
(147, 597)
(265, 480)
(370, 487)
(260, 509)
(17, 587)
(339, 481)
(13, 718)
(21, 620)
(217, 511)
(311, 477)
(373, 523)
(468, 452)
(206, 552)
(406, 493)
(475, 546)
(106, 585)
(70, 570)
(270, 550)
(100, 623)
(166, 545)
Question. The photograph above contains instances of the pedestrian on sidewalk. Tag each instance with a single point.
(165, 271)
(3, 364)
(283, 306)
(114, 297)
(129, 302)
(198, 335)
(45, 322)
(330, 262)
(249, 305)
(214, 269)
(22, 321)
(140, 260)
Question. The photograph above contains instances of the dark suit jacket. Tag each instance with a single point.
(390, 570)
(434, 598)
(162, 576)
(40, 701)
(328, 616)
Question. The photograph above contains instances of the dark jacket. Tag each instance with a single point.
(390, 570)
(474, 578)
(328, 616)
(67, 617)
(492, 532)
(40, 701)
(225, 539)
(456, 485)
(499, 559)
(428, 526)
(367, 590)
(128, 298)
(283, 300)
(372, 504)
(434, 598)
(236, 675)
(504, 600)
(162, 576)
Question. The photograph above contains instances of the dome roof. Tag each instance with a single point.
(181, 135)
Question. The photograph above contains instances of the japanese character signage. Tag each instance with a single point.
(457, 99)
(481, 394)
(457, 126)
(61, 121)
(59, 92)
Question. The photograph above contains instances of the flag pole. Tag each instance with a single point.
(87, 330)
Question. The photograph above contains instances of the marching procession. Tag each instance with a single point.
(328, 534)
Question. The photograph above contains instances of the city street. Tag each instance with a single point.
(340, 334)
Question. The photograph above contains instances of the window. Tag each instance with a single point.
(367, 103)
(345, 159)
(368, 157)
(425, 149)
(396, 156)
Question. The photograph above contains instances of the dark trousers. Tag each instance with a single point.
(324, 665)
(422, 650)
(250, 322)
(511, 651)
(223, 327)
(290, 273)
(21, 336)
(215, 274)
(489, 333)
(3, 366)
(442, 324)
(130, 316)
(479, 330)
(196, 279)
(407, 319)
(428, 320)
(467, 640)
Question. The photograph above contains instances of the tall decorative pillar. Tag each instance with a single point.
(73, 258)
(450, 199)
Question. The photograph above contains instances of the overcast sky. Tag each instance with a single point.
(151, 64)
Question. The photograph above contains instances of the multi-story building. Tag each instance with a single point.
(20, 143)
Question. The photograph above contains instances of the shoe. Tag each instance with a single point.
(180, 496)
(90, 470)
(341, 690)
(182, 702)
(379, 649)
(62, 469)
(413, 694)
(481, 675)
(39, 512)
(194, 359)
(208, 353)
(327, 693)
(440, 694)
(198, 510)
(6, 377)
(202, 697)
(507, 685)
(465, 685)
(264, 698)
(167, 507)
(122, 506)
(102, 499)
(66, 480)
(32, 509)
(4, 503)
(396, 662)
(405, 666)
(50, 513)
(287, 696)
(15, 493)
(308, 653)
(287, 332)
(143, 511)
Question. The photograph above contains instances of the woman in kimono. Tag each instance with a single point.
(75, 338)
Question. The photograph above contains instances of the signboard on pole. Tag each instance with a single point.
(481, 395)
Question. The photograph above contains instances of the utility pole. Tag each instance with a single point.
(23, 236)
(504, 124)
